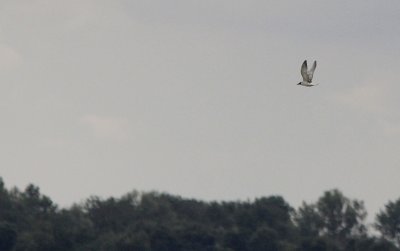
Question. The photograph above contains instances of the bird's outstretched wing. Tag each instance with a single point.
(304, 71)
(310, 73)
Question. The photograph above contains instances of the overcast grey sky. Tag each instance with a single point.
(199, 98)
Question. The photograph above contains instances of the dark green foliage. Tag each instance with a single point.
(163, 239)
(369, 244)
(264, 239)
(309, 221)
(30, 221)
(341, 216)
(388, 222)
(8, 236)
(138, 241)
(334, 217)
(314, 244)
(236, 239)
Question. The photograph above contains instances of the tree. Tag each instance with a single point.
(388, 222)
(341, 216)
(308, 220)
(29, 221)
(196, 238)
(236, 239)
(264, 239)
(163, 239)
(72, 228)
(334, 216)
(36, 203)
(135, 242)
(8, 236)
(112, 214)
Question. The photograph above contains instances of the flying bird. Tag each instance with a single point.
(307, 74)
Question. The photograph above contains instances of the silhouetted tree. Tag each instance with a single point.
(264, 239)
(8, 236)
(334, 216)
(309, 221)
(30, 221)
(388, 222)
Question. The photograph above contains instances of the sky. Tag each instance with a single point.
(199, 98)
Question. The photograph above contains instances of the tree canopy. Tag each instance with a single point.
(388, 222)
(151, 221)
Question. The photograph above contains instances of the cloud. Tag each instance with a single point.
(368, 97)
(376, 93)
(109, 128)
(390, 128)
(89, 13)
(60, 15)
(9, 58)
(377, 98)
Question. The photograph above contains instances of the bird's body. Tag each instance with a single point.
(307, 74)
(307, 84)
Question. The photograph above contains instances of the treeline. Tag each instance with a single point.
(30, 221)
